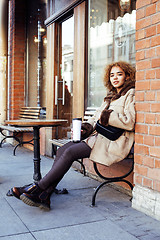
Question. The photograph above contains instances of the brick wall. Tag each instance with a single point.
(17, 56)
(147, 138)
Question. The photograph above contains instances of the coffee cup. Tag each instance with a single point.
(76, 128)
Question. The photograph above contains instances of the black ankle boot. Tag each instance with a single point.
(17, 191)
(38, 198)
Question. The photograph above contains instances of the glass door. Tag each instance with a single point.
(64, 76)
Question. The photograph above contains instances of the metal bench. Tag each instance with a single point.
(122, 178)
(25, 113)
(129, 159)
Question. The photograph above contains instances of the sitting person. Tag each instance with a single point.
(118, 109)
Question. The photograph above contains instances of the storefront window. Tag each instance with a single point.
(35, 83)
(111, 38)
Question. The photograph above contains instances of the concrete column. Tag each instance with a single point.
(3, 58)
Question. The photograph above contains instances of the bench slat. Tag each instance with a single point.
(15, 129)
(25, 113)
(29, 113)
(59, 142)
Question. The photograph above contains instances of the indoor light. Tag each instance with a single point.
(124, 4)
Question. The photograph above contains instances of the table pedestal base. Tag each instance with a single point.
(37, 160)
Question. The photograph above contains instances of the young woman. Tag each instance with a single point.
(118, 109)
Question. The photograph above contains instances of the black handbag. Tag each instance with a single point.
(110, 132)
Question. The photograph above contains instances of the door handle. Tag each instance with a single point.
(63, 93)
(56, 89)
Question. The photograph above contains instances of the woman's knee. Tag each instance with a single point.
(62, 149)
(69, 153)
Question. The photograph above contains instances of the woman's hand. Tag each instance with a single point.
(86, 130)
(105, 116)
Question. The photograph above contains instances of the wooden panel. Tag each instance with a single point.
(79, 60)
(50, 84)
(50, 71)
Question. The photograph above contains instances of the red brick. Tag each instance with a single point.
(139, 159)
(150, 96)
(151, 31)
(143, 23)
(142, 44)
(148, 161)
(158, 119)
(137, 179)
(139, 169)
(156, 18)
(140, 34)
(141, 149)
(155, 41)
(140, 75)
(154, 130)
(139, 138)
(156, 62)
(155, 85)
(156, 186)
(143, 3)
(157, 51)
(149, 140)
(154, 173)
(157, 141)
(150, 118)
(140, 55)
(155, 107)
(150, 74)
(158, 6)
(139, 96)
(144, 64)
(140, 13)
(158, 95)
(139, 117)
(150, 53)
(157, 163)
(147, 183)
(142, 85)
(143, 107)
(151, 9)
(158, 28)
(157, 74)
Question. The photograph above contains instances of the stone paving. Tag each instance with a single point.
(71, 216)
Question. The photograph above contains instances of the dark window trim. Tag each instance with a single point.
(59, 15)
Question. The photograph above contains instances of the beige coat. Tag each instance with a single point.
(105, 151)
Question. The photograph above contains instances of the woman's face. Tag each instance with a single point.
(117, 77)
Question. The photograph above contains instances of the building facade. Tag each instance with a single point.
(64, 75)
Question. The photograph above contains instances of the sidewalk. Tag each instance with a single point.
(71, 216)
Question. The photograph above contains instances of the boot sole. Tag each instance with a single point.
(29, 202)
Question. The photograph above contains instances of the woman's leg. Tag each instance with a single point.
(66, 155)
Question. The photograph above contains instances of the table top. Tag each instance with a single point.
(36, 122)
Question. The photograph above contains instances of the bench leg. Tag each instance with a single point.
(21, 143)
(106, 182)
(84, 170)
(5, 137)
(111, 180)
(54, 150)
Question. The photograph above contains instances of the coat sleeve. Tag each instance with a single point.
(126, 119)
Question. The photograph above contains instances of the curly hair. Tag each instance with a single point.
(128, 70)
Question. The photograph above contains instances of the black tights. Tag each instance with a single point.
(65, 156)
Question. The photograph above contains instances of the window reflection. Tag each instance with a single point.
(111, 38)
